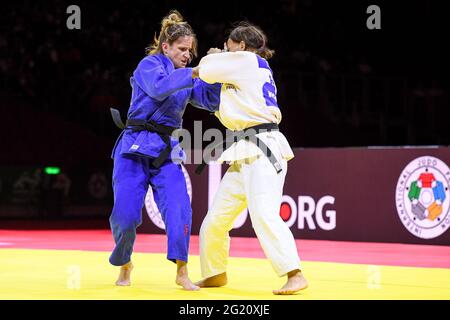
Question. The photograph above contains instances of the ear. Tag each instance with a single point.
(242, 45)
(165, 47)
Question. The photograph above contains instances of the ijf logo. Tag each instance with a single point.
(151, 207)
(422, 197)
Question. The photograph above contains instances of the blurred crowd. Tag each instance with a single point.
(76, 75)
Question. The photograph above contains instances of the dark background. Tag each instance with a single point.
(339, 83)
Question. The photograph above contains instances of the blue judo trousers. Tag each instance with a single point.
(159, 93)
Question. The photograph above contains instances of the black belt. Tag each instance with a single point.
(246, 134)
(141, 125)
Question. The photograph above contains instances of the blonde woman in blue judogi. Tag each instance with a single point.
(144, 152)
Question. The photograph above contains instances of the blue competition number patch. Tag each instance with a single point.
(269, 89)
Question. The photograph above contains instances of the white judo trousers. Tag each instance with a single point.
(251, 183)
(247, 99)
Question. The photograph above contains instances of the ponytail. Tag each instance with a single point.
(173, 27)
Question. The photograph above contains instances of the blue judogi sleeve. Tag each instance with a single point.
(160, 93)
(156, 86)
(152, 78)
(205, 96)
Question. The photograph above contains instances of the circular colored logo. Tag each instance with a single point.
(151, 207)
(422, 197)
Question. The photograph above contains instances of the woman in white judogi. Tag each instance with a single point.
(248, 99)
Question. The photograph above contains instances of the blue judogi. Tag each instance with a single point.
(159, 93)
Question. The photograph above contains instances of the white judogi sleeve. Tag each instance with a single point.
(247, 98)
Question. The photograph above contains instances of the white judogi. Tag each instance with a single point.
(248, 98)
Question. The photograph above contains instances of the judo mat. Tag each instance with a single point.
(73, 264)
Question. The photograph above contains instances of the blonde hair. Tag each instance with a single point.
(173, 27)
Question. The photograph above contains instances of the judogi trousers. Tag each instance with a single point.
(252, 183)
(132, 176)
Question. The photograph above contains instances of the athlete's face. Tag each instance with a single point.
(179, 51)
(233, 46)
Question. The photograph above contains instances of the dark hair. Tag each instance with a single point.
(253, 37)
(173, 27)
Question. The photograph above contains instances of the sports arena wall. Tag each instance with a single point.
(352, 194)
(355, 194)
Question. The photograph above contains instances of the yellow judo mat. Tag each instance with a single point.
(70, 274)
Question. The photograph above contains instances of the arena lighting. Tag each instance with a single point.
(52, 170)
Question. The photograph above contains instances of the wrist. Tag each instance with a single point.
(195, 72)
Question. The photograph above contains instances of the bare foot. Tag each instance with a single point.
(182, 278)
(124, 275)
(295, 282)
(218, 280)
